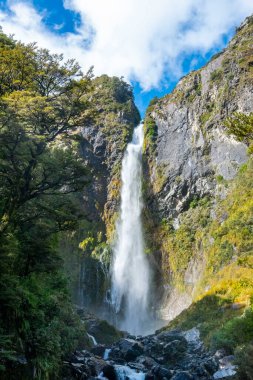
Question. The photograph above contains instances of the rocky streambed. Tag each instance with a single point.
(174, 355)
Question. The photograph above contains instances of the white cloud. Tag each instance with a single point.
(142, 40)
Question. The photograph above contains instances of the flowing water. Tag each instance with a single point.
(93, 339)
(130, 268)
(124, 372)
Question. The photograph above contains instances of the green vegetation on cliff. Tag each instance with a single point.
(241, 126)
(199, 191)
(221, 236)
(150, 129)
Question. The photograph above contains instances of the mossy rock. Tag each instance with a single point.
(103, 332)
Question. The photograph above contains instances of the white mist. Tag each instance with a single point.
(130, 268)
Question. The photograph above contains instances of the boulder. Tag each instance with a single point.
(168, 336)
(175, 349)
(130, 349)
(109, 372)
(161, 372)
(137, 366)
(147, 362)
(98, 350)
(81, 371)
(95, 365)
(76, 359)
(182, 376)
(149, 376)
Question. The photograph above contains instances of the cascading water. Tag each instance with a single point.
(130, 268)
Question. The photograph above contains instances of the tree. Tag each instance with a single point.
(43, 101)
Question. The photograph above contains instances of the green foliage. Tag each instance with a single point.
(241, 127)
(227, 236)
(194, 203)
(150, 128)
(115, 96)
(114, 88)
(159, 178)
(244, 360)
(219, 179)
(221, 313)
(6, 41)
(234, 235)
(194, 89)
(223, 309)
(204, 117)
(153, 101)
(181, 245)
(106, 333)
(216, 75)
(42, 102)
(87, 244)
(6, 353)
(235, 332)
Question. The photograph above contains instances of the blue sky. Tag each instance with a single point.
(150, 43)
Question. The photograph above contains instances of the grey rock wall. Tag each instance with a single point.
(193, 149)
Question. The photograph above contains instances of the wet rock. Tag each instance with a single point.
(226, 361)
(161, 372)
(131, 337)
(137, 366)
(130, 349)
(81, 371)
(226, 368)
(193, 337)
(167, 355)
(220, 353)
(169, 336)
(116, 353)
(225, 373)
(98, 350)
(95, 365)
(154, 349)
(85, 354)
(210, 365)
(125, 372)
(76, 359)
(167, 346)
(182, 376)
(102, 331)
(175, 350)
(149, 376)
(109, 372)
(147, 362)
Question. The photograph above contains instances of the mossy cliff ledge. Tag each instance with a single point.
(191, 165)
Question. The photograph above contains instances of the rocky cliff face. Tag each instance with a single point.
(189, 152)
(190, 160)
(102, 142)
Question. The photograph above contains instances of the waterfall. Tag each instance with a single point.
(93, 339)
(130, 269)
